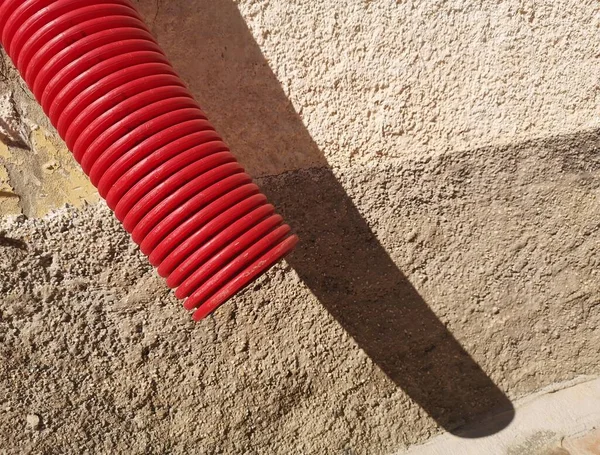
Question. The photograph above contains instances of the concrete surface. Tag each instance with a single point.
(588, 444)
(556, 422)
(440, 162)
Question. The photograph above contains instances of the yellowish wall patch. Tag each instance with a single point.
(9, 200)
(62, 180)
(4, 151)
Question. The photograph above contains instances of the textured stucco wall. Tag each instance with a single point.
(349, 82)
(375, 80)
(440, 163)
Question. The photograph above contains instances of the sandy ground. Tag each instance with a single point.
(439, 161)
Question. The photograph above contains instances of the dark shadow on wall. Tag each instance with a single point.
(339, 258)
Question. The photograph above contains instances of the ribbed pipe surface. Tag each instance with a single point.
(144, 142)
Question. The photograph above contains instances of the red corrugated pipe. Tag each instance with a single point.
(140, 136)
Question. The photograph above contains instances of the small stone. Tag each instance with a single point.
(34, 421)
(495, 310)
(411, 237)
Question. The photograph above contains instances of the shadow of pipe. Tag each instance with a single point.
(338, 258)
(352, 275)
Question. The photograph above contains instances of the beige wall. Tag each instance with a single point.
(349, 82)
(440, 162)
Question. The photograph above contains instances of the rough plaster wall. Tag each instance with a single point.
(293, 84)
(333, 352)
(385, 79)
(435, 275)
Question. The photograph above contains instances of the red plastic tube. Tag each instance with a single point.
(146, 145)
